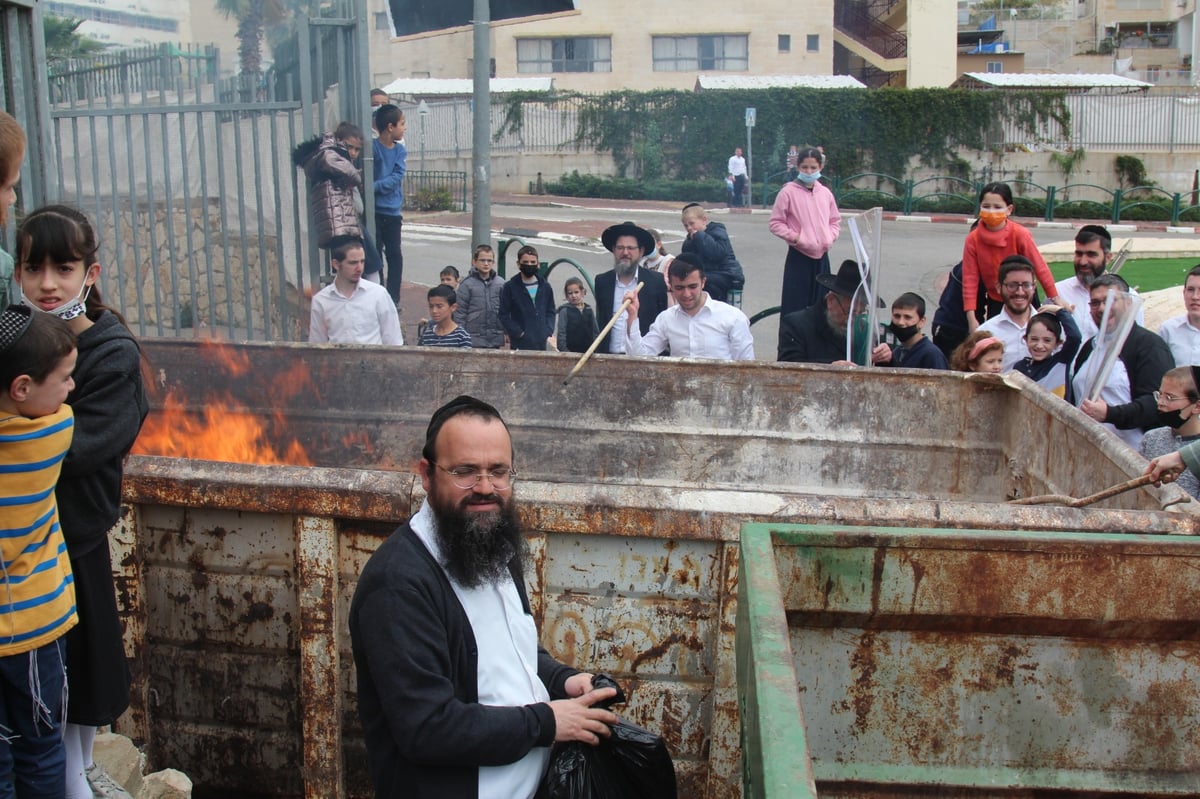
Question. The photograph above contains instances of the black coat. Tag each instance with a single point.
(527, 321)
(417, 664)
(1147, 358)
(806, 337)
(653, 299)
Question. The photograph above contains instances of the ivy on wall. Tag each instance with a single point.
(681, 134)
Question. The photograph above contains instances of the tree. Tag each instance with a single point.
(252, 16)
(64, 41)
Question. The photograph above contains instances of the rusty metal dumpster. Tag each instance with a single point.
(902, 663)
(636, 479)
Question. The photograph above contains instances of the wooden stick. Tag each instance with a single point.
(603, 333)
(1071, 502)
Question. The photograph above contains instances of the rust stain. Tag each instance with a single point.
(257, 611)
(862, 687)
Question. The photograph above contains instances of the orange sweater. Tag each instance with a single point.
(983, 252)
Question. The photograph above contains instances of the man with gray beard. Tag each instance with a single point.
(628, 243)
(818, 333)
(455, 694)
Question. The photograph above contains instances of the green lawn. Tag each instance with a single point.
(1147, 274)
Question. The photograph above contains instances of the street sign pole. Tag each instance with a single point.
(751, 114)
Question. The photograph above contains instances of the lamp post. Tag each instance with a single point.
(422, 112)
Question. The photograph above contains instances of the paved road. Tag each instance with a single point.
(915, 254)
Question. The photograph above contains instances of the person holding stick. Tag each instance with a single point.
(628, 243)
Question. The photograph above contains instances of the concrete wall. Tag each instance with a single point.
(631, 26)
(932, 54)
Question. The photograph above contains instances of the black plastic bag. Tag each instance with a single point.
(632, 763)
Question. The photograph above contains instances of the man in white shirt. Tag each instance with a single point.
(457, 698)
(697, 326)
(1182, 333)
(1016, 290)
(737, 168)
(1093, 253)
(351, 310)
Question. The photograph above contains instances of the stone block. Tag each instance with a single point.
(120, 758)
(166, 784)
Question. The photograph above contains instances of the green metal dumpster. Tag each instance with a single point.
(929, 662)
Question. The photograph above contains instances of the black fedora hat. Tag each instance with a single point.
(846, 282)
(644, 238)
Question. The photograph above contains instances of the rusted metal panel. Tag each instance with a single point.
(320, 664)
(995, 664)
(125, 549)
(633, 520)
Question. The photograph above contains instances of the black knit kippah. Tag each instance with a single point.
(13, 323)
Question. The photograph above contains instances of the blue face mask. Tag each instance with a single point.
(808, 178)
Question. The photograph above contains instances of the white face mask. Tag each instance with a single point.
(68, 310)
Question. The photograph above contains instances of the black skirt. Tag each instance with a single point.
(97, 672)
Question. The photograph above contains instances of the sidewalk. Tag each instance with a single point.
(625, 209)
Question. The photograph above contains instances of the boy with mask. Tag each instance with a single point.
(527, 305)
(1179, 409)
(916, 351)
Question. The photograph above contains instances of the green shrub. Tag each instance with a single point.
(1083, 209)
(430, 199)
(682, 191)
(869, 198)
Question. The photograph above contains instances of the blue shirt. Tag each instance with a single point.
(389, 177)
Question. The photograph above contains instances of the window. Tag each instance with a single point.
(1154, 73)
(690, 53)
(381, 21)
(814, 42)
(995, 66)
(785, 43)
(575, 54)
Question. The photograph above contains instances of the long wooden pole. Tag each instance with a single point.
(1072, 502)
(603, 333)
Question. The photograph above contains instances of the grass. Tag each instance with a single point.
(1147, 274)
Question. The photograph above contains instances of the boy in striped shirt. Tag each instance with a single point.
(37, 594)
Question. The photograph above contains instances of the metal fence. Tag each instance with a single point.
(1160, 121)
(164, 67)
(435, 191)
(445, 130)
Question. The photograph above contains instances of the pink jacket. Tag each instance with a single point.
(807, 220)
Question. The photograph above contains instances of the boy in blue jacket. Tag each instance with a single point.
(390, 158)
(709, 242)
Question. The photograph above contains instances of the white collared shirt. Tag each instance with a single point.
(507, 645)
(617, 340)
(368, 316)
(718, 330)
(1011, 334)
(1183, 339)
(1115, 391)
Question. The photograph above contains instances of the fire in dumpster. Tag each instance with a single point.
(219, 427)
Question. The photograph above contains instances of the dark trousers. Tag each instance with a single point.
(387, 229)
(717, 286)
(800, 286)
(739, 190)
(32, 708)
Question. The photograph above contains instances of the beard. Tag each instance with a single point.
(624, 267)
(476, 547)
(838, 327)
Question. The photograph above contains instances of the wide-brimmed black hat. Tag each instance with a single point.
(846, 282)
(645, 239)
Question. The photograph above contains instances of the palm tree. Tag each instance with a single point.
(252, 16)
(63, 40)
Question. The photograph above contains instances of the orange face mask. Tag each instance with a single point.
(993, 218)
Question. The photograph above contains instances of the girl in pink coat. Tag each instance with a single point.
(806, 216)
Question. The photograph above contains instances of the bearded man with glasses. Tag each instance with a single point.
(1016, 292)
(457, 699)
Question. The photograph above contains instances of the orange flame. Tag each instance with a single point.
(223, 429)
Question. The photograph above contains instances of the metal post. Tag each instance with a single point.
(422, 112)
(481, 191)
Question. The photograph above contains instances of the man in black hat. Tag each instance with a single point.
(628, 243)
(818, 333)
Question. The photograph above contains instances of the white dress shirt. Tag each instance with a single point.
(718, 330)
(367, 316)
(507, 645)
(1005, 328)
(1115, 391)
(617, 343)
(1183, 339)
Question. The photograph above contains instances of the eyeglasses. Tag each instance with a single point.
(1160, 397)
(501, 478)
(627, 248)
(1019, 286)
(1097, 303)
